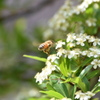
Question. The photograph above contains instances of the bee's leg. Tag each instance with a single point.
(47, 51)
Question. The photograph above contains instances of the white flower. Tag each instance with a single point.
(70, 37)
(95, 63)
(40, 77)
(59, 44)
(96, 41)
(91, 22)
(83, 96)
(84, 36)
(94, 52)
(65, 99)
(88, 93)
(91, 39)
(52, 57)
(80, 41)
(71, 45)
(61, 99)
(61, 52)
(52, 99)
(73, 53)
(50, 66)
(96, 5)
(84, 53)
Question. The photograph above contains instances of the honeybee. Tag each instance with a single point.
(45, 47)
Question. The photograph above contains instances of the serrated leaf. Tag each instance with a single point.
(85, 71)
(53, 94)
(35, 57)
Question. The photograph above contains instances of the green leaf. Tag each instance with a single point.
(64, 66)
(49, 87)
(53, 94)
(38, 99)
(84, 63)
(79, 82)
(59, 87)
(85, 80)
(72, 91)
(85, 71)
(88, 60)
(35, 57)
(93, 74)
(89, 10)
(65, 90)
(97, 90)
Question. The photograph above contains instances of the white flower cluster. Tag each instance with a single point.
(61, 99)
(46, 71)
(68, 53)
(80, 39)
(82, 7)
(84, 96)
(90, 44)
(60, 20)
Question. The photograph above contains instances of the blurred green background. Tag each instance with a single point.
(22, 23)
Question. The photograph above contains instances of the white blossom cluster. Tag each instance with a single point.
(60, 20)
(82, 7)
(80, 39)
(46, 71)
(61, 99)
(84, 96)
(88, 42)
